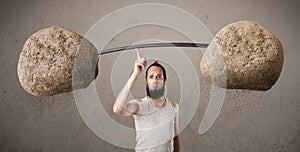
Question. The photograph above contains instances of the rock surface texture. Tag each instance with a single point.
(56, 60)
(243, 55)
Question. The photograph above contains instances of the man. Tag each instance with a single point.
(155, 116)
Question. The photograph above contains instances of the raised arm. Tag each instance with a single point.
(121, 105)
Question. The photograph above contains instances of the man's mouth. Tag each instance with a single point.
(155, 86)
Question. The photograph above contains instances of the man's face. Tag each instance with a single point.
(155, 82)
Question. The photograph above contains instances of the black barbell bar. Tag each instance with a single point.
(151, 45)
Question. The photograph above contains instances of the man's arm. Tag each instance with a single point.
(176, 127)
(121, 105)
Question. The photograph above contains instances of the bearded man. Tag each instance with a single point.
(155, 116)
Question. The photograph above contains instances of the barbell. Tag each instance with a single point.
(242, 55)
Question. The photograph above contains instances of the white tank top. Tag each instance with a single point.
(155, 127)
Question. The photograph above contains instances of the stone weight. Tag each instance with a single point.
(56, 60)
(243, 55)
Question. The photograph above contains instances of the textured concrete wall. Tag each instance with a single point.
(248, 121)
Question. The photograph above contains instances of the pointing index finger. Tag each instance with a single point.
(138, 53)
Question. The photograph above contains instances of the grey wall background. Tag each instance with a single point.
(249, 120)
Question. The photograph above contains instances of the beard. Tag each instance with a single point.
(155, 94)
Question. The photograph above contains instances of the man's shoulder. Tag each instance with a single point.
(175, 104)
(136, 102)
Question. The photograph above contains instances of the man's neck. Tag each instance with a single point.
(159, 103)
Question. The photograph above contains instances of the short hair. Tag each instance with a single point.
(158, 65)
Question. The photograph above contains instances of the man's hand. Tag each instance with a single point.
(139, 66)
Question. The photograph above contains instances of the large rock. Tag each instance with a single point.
(56, 60)
(243, 55)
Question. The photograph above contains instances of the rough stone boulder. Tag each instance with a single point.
(243, 55)
(56, 60)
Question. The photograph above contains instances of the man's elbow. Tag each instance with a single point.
(116, 109)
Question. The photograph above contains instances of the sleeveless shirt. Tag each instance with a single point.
(155, 127)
